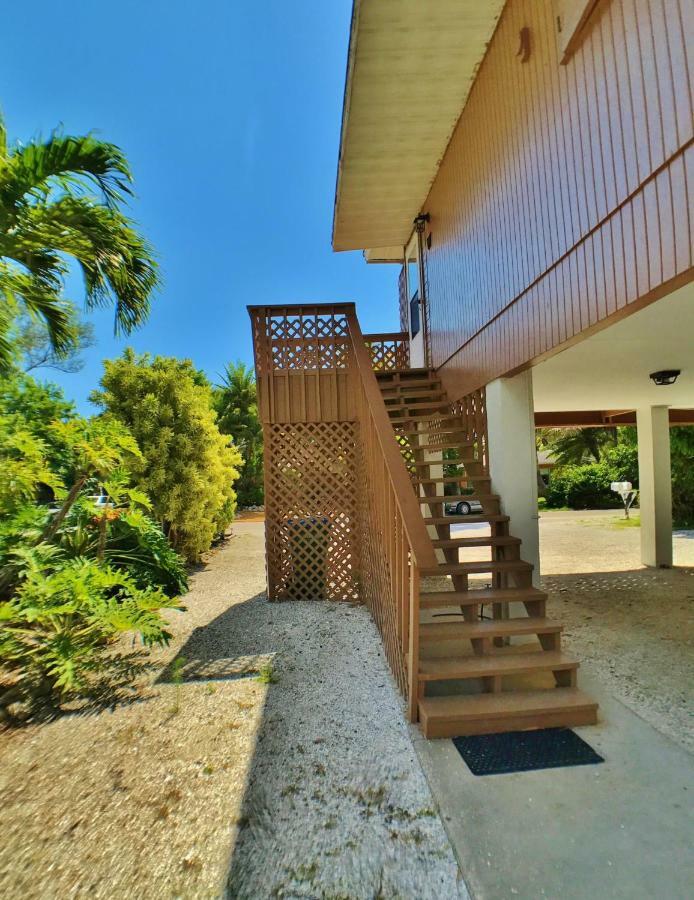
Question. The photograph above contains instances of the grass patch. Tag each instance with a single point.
(633, 522)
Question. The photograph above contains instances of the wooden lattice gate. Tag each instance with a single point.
(311, 511)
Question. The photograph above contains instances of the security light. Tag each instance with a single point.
(665, 376)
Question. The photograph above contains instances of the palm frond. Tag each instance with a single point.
(31, 170)
(117, 263)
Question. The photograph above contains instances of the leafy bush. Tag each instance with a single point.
(188, 468)
(588, 486)
(75, 573)
(56, 626)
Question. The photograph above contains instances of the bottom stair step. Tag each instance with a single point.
(510, 711)
(455, 667)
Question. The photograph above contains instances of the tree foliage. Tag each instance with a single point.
(188, 467)
(60, 201)
(236, 403)
(87, 566)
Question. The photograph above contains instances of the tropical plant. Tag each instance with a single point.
(575, 446)
(188, 468)
(236, 403)
(60, 200)
(55, 628)
(34, 349)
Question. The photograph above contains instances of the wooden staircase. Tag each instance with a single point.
(489, 658)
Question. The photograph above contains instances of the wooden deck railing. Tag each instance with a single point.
(388, 351)
(342, 520)
(395, 541)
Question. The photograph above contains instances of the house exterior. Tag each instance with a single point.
(526, 167)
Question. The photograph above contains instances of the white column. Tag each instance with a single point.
(513, 459)
(655, 485)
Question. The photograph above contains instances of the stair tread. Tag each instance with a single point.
(471, 706)
(475, 566)
(454, 498)
(446, 462)
(454, 629)
(468, 520)
(456, 445)
(503, 541)
(452, 479)
(450, 667)
(435, 599)
(419, 403)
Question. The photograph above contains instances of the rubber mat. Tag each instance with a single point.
(523, 751)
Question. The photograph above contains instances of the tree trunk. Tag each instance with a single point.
(55, 523)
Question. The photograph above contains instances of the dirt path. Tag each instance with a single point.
(305, 787)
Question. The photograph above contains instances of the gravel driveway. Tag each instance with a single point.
(307, 786)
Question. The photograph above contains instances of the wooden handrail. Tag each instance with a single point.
(421, 547)
(387, 336)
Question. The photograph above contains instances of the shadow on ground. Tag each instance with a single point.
(335, 802)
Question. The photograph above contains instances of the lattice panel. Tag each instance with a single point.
(311, 511)
(390, 353)
(376, 583)
(310, 341)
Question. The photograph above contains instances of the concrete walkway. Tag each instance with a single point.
(620, 829)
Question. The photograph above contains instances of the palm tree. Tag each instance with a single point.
(236, 404)
(574, 446)
(59, 201)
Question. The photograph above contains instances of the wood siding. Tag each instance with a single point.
(563, 199)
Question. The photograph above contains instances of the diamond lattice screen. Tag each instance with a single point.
(312, 511)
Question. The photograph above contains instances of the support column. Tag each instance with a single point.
(513, 459)
(655, 485)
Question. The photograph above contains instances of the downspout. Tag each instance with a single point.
(420, 224)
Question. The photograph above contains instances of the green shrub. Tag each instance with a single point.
(588, 486)
(57, 627)
(188, 468)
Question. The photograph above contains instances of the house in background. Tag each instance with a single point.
(526, 166)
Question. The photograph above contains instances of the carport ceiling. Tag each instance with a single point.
(610, 370)
(410, 68)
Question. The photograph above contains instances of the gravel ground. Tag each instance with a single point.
(307, 786)
(632, 625)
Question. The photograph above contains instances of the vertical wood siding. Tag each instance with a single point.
(564, 195)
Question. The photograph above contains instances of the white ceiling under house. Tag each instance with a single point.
(610, 370)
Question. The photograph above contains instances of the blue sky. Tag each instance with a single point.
(229, 113)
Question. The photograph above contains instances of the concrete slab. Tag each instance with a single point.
(621, 829)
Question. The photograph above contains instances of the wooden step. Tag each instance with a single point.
(442, 599)
(402, 374)
(434, 417)
(472, 519)
(458, 445)
(445, 462)
(450, 429)
(502, 541)
(452, 479)
(451, 668)
(478, 567)
(416, 404)
(456, 498)
(506, 711)
(457, 630)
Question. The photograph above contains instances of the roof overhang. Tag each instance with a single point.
(410, 68)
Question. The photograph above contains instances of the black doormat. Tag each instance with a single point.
(523, 751)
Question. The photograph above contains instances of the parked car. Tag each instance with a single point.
(463, 507)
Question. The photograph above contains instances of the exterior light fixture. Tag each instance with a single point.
(420, 221)
(665, 376)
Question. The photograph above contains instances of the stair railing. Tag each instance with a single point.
(395, 544)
